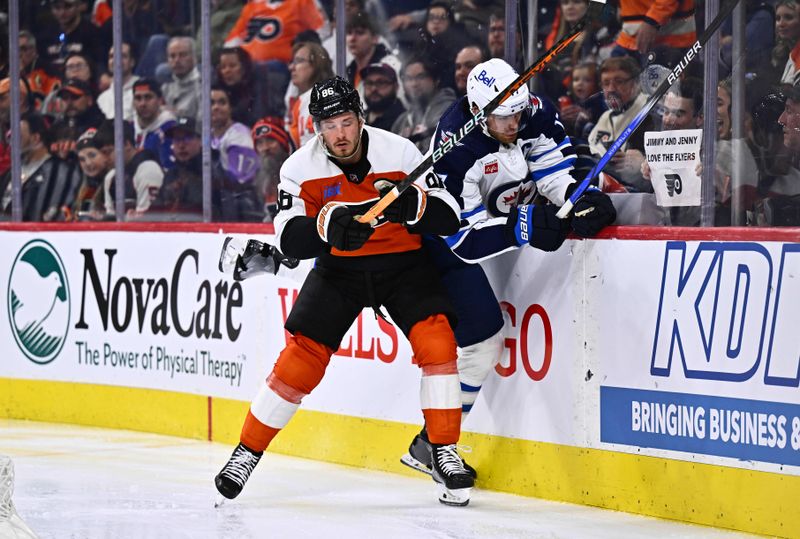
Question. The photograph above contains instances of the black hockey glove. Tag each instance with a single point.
(538, 226)
(261, 258)
(337, 226)
(408, 207)
(243, 261)
(592, 211)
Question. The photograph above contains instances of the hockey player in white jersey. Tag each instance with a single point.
(494, 173)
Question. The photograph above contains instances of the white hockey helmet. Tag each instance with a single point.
(491, 77)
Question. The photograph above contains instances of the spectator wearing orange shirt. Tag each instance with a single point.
(265, 29)
(665, 25)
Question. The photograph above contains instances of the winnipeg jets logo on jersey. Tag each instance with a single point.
(502, 198)
(519, 196)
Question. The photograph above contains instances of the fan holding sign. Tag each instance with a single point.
(673, 158)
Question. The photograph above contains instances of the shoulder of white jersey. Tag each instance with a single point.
(309, 161)
(383, 136)
(389, 152)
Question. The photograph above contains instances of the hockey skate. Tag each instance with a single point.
(243, 259)
(231, 479)
(419, 455)
(454, 483)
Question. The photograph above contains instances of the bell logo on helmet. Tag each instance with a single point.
(485, 79)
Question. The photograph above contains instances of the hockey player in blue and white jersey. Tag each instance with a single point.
(494, 173)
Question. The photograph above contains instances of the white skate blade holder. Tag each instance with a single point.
(456, 497)
(232, 249)
(413, 463)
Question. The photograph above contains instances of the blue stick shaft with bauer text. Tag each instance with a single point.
(691, 54)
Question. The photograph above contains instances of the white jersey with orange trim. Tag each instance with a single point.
(309, 180)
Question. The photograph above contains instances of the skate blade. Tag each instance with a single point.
(458, 497)
(232, 249)
(219, 501)
(413, 463)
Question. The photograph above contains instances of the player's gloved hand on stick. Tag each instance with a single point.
(337, 226)
(538, 226)
(592, 211)
(407, 208)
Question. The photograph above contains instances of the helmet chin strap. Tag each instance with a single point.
(325, 146)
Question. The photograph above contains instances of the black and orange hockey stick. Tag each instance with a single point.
(595, 8)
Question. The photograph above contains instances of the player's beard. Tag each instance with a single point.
(505, 138)
(342, 152)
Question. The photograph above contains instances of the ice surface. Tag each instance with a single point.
(81, 482)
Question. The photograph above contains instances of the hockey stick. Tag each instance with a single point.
(672, 77)
(595, 8)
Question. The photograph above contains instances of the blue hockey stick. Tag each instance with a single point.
(594, 11)
(691, 54)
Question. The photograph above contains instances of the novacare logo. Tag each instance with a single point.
(38, 301)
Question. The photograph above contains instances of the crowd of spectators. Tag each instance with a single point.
(409, 61)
